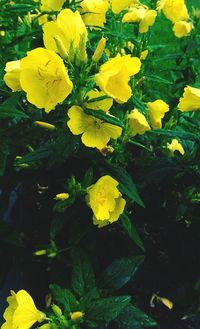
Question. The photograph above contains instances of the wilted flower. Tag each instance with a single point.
(138, 123)
(157, 110)
(44, 78)
(115, 74)
(105, 200)
(95, 132)
(190, 100)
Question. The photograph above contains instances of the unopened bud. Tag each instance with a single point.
(61, 47)
(56, 309)
(40, 252)
(99, 50)
(45, 125)
(62, 196)
(76, 316)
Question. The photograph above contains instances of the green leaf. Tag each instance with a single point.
(126, 185)
(83, 279)
(130, 229)
(8, 108)
(138, 103)
(120, 272)
(107, 309)
(41, 153)
(20, 9)
(175, 134)
(64, 298)
(105, 117)
(132, 317)
(158, 79)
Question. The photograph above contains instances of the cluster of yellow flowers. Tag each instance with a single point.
(176, 11)
(47, 75)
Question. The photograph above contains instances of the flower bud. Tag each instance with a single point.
(40, 252)
(76, 316)
(62, 196)
(99, 50)
(56, 309)
(45, 125)
(61, 47)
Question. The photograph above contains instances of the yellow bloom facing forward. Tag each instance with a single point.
(141, 15)
(157, 110)
(44, 78)
(94, 12)
(66, 32)
(49, 5)
(95, 132)
(103, 105)
(11, 77)
(105, 200)
(21, 312)
(182, 29)
(190, 100)
(174, 10)
(138, 123)
(115, 74)
(175, 146)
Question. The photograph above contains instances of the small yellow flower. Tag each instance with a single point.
(12, 75)
(76, 316)
(190, 100)
(62, 196)
(105, 200)
(51, 5)
(41, 252)
(157, 110)
(21, 312)
(175, 146)
(99, 50)
(118, 5)
(115, 74)
(95, 132)
(138, 123)
(44, 78)
(94, 12)
(103, 105)
(45, 125)
(182, 29)
(174, 10)
(141, 15)
(69, 29)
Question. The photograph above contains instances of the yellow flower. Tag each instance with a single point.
(141, 15)
(103, 105)
(190, 100)
(11, 77)
(182, 29)
(175, 146)
(67, 32)
(99, 50)
(157, 110)
(62, 196)
(76, 316)
(174, 10)
(118, 5)
(138, 123)
(45, 125)
(95, 132)
(44, 78)
(105, 200)
(21, 312)
(49, 5)
(115, 74)
(94, 12)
